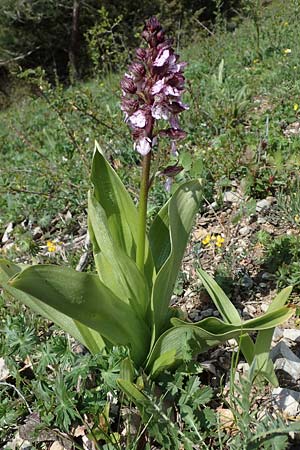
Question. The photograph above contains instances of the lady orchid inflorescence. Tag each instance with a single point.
(152, 90)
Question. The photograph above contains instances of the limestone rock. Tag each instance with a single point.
(288, 372)
(291, 334)
(286, 400)
(281, 350)
(7, 232)
(263, 205)
(231, 197)
(4, 372)
(57, 446)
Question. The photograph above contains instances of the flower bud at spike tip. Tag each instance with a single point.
(152, 90)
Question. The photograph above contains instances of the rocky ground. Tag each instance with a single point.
(252, 290)
(223, 236)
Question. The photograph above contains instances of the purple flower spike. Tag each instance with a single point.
(152, 90)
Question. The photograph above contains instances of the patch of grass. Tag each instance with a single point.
(282, 256)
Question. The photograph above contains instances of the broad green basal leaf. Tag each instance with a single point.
(87, 336)
(115, 268)
(168, 252)
(84, 298)
(121, 213)
(185, 338)
(261, 348)
(264, 322)
(228, 312)
(220, 299)
(159, 237)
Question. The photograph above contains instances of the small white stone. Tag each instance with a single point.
(261, 220)
(291, 334)
(4, 372)
(189, 305)
(232, 342)
(278, 334)
(289, 370)
(250, 309)
(56, 446)
(37, 233)
(18, 444)
(231, 197)
(213, 205)
(287, 400)
(243, 367)
(244, 230)
(264, 306)
(68, 216)
(7, 232)
(263, 204)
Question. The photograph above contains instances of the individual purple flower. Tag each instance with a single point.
(152, 90)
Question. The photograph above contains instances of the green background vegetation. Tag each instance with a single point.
(243, 85)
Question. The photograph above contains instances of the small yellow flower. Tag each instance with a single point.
(51, 246)
(285, 24)
(296, 107)
(287, 51)
(206, 240)
(297, 218)
(219, 241)
(255, 61)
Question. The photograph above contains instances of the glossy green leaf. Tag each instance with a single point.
(163, 362)
(198, 337)
(261, 348)
(83, 297)
(182, 209)
(121, 213)
(268, 320)
(159, 237)
(180, 343)
(87, 336)
(227, 311)
(220, 299)
(115, 268)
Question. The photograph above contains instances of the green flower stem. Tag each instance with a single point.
(140, 256)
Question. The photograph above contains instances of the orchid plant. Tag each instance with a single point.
(127, 301)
